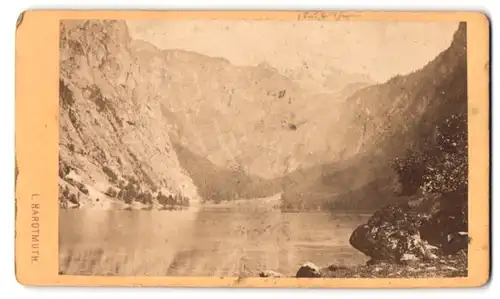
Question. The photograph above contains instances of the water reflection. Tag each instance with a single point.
(213, 240)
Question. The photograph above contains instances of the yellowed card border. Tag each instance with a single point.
(37, 145)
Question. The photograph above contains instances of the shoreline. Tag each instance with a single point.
(449, 266)
(439, 266)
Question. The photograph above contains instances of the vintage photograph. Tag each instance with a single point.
(263, 148)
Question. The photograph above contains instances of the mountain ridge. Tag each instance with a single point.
(104, 147)
(250, 116)
(392, 125)
(249, 122)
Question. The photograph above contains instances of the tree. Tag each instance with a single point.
(441, 165)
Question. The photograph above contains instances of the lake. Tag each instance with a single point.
(235, 239)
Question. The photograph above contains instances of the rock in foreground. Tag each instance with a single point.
(418, 229)
(270, 273)
(308, 270)
(445, 266)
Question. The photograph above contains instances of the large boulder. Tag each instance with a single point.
(419, 228)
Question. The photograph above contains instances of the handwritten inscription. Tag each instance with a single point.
(35, 228)
(325, 15)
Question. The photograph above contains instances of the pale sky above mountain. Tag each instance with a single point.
(379, 49)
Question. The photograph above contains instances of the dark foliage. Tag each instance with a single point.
(65, 95)
(110, 173)
(217, 184)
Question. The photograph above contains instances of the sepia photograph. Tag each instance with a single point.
(263, 148)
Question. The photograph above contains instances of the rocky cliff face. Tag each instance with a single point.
(410, 107)
(252, 122)
(229, 114)
(250, 118)
(124, 101)
(243, 118)
(433, 172)
(113, 131)
(329, 138)
(403, 136)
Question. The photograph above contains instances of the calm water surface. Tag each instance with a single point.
(218, 240)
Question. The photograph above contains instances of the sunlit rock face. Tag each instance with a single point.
(133, 114)
(113, 132)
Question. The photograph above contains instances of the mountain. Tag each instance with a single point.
(328, 79)
(250, 117)
(219, 184)
(112, 130)
(229, 114)
(124, 103)
(406, 135)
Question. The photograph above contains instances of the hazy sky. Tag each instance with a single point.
(377, 48)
